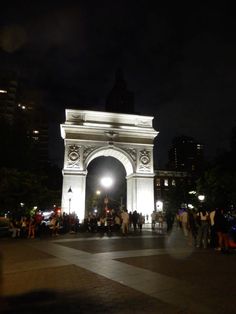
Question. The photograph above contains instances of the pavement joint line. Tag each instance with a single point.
(150, 283)
(105, 238)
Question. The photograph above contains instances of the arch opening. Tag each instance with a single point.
(100, 198)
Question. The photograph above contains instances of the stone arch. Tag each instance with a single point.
(128, 138)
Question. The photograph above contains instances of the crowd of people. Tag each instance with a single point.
(206, 229)
(110, 221)
(202, 229)
(114, 221)
(35, 225)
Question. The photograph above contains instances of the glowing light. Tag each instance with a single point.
(2, 91)
(98, 192)
(201, 198)
(159, 206)
(107, 182)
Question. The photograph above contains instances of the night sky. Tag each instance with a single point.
(180, 62)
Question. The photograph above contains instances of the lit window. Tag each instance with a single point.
(3, 91)
(173, 182)
(158, 182)
(166, 182)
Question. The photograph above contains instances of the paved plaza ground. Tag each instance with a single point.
(144, 272)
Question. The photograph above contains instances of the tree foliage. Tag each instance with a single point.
(20, 191)
(218, 182)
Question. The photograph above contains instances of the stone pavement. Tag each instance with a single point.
(92, 273)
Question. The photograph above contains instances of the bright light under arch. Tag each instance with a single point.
(106, 182)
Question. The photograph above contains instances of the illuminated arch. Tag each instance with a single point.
(128, 138)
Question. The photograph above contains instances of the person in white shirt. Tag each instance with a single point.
(213, 234)
(184, 221)
(125, 222)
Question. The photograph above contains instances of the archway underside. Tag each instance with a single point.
(111, 152)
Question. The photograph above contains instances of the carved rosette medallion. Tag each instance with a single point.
(73, 156)
(144, 160)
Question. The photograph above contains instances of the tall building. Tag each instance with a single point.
(186, 154)
(120, 99)
(8, 95)
(32, 118)
(24, 124)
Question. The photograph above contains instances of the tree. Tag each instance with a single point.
(178, 195)
(218, 182)
(20, 191)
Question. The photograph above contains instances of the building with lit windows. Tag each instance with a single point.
(186, 154)
(166, 181)
(33, 119)
(25, 119)
(8, 96)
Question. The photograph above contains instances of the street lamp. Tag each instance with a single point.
(201, 198)
(70, 194)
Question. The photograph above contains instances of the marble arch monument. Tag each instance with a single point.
(126, 137)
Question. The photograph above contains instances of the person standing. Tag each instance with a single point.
(135, 220)
(141, 221)
(184, 220)
(192, 228)
(153, 217)
(202, 235)
(169, 220)
(222, 228)
(31, 230)
(213, 235)
(125, 222)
